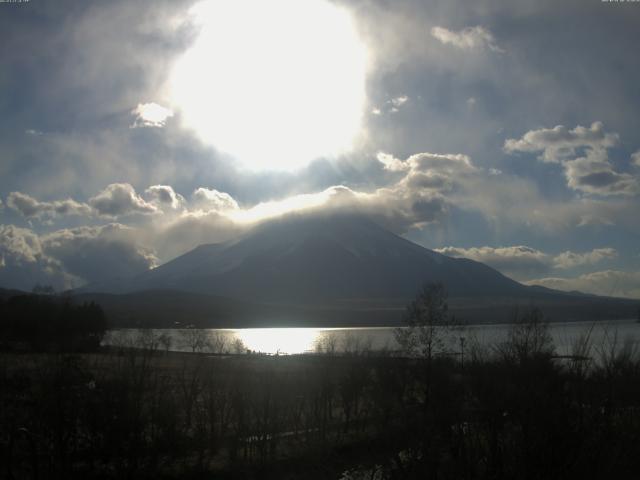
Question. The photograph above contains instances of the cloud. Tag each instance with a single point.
(93, 254)
(150, 115)
(560, 143)
(591, 173)
(570, 259)
(212, 200)
(521, 262)
(20, 244)
(516, 261)
(185, 232)
(397, 207)
(397, 103)
(71, 257)
(120, 199)
(31, 208)
(607, 282)
(635, 159)
(467, 39)
(594, 174)
(393, 105)
(117, 199)
(164, 196)
(24, 263)
(427, 162)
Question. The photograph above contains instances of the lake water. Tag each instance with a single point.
(352, 340)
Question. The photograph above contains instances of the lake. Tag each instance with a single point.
(352, 340)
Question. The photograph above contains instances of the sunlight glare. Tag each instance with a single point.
(278, 340)
(275, 84)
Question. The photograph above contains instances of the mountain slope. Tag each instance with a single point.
(314, 260)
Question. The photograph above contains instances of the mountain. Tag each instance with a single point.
(321, 260)
(324, 271)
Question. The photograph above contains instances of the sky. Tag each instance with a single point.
(505, 132)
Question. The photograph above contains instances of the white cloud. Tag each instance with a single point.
(521, 262)
(150, 115)
(120, 199)
(21, 244)
(560, 143)
(517, 261)
(427, 162)
(398, 102)
(24, 262)
(635, 159)
(212, 200)
(467, 39)
(607, 282)
(570, 259)
(393, 105)
(31, 208)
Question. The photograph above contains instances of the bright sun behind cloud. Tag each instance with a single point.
(274, 83)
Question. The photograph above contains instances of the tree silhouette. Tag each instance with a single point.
(427, 321)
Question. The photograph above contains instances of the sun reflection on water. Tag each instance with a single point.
(279, 340)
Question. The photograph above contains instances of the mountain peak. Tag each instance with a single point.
(318, 259)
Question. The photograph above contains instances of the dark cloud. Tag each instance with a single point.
(23, 262)
(32, 208)
(66, 108)
(165, 197)
(593, 173)
(70, 257)
(93, 254)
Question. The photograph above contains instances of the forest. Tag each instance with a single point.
(513, 410)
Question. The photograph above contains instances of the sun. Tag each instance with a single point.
(274, 83)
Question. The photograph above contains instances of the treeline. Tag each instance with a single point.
(50, 323)
(511, 411)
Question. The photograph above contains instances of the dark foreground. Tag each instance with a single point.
(513, 413)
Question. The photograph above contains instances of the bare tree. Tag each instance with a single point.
(238, 346)
(218, 342)
(196, 338)
(428, 323)
(528, 337)
(165, 340)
